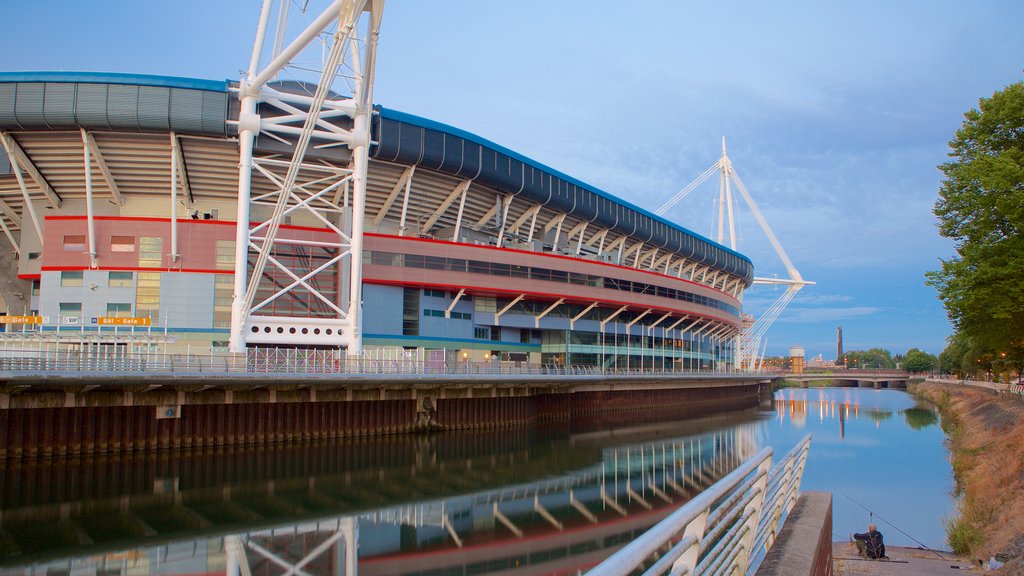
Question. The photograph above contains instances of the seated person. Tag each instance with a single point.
(870, 543)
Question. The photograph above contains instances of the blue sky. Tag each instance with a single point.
(836, 113)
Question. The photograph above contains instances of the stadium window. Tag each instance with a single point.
(119, 309)
(223, 288)
(482, 333)
(147, 295)
(225, 254)
(70, 309)
(151, 250)
(119, 279)
(496, 334)
(71, 278)
(74, 243)
(410, 309)
(122, 243)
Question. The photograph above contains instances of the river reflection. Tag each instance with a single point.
(521, 501)
(879, 452)
(550, 500)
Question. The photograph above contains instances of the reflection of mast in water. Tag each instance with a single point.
(842, 421)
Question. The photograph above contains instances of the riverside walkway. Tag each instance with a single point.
(902, 562)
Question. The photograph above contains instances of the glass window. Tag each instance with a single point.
(151, 250)
(119, 309)
(225, 254)
(35, 287)
(482, 333)
(122, 243)
(120, 279)
(223, 290)
(75, 243)
(70, 309)
(147, 295)
(410, 312)
(71, 278)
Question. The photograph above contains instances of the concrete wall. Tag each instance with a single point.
(804, 546)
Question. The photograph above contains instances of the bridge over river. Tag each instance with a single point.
(853, 379)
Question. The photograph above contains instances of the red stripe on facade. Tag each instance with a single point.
(134, 269)
(183, 221)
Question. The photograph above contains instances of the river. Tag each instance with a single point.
(545, 500)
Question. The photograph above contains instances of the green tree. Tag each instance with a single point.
(951, 360)
(874, 358)
(981, 207)
(917, 361)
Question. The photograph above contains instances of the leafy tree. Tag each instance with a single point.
(874, 358)
(917, 361)
(981, 207)
(951, 360)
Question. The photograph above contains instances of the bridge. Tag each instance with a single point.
(854, 378)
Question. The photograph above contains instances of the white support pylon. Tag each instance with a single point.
(344, 38)
(748, 353)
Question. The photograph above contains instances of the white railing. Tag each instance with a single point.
(298, 361)
(721, 530)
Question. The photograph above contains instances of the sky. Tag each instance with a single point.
(836, 115)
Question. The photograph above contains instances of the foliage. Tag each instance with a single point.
(875, 358)
(981, 207)
(951, 359)
(916, 361)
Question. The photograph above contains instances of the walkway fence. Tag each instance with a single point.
(299, 361)
(723, 529)
(997, 386)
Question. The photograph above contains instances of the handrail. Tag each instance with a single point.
(719, 530)
(310, 362)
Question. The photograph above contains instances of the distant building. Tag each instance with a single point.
(839, 343)
(796, 359)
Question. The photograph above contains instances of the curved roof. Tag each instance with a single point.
(145, 103)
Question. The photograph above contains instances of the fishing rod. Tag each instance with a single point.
(873, 514)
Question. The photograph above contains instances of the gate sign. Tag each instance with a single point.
(21, 319)
(122, 321)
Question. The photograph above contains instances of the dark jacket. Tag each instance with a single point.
(874, 548)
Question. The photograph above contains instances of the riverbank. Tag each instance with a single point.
(985, 433)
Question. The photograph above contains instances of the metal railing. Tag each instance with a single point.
(312, 362)
(722, 529)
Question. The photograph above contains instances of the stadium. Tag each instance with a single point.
(119, 203)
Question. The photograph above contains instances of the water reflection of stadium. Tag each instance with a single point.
(509, 502)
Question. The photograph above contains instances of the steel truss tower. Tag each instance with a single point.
(315, 94)
(752, 341)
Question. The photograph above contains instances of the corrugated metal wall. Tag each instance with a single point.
(117, 107)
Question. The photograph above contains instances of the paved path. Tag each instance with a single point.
(902, 562)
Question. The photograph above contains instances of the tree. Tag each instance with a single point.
(951, 360)
(981, 207)
(876, 358)
(917, 361)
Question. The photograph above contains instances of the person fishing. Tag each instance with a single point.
(870, 543)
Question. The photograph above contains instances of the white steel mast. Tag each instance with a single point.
(332, 108)
(748, 348)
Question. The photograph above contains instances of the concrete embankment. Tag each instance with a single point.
(986, 439)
